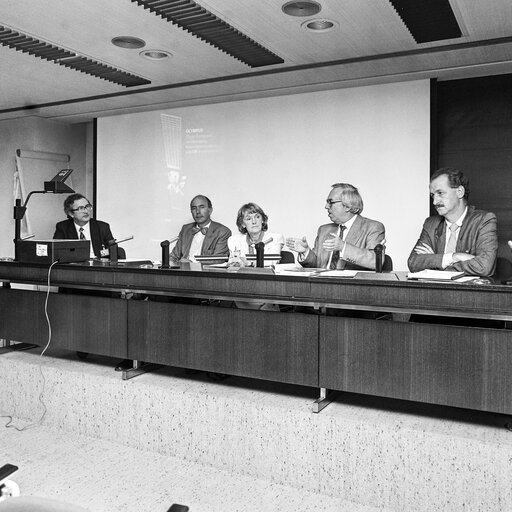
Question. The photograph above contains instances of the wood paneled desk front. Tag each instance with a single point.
(451, 365)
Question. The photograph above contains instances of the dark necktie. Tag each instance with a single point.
(82, 236)
(336, 254)
(197, 229)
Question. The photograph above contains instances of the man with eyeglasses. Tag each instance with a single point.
(80, 225)
(348, 241)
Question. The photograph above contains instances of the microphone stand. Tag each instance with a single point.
(379, 249)
(112, 250)
(19, 213)
(165, 251)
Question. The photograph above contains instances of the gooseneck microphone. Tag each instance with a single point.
(112, 251)
(379, 256)
(260, 254)
(165, 251)
(112, 248)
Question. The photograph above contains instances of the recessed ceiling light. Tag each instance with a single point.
(129, 42)
(319, 25)
(155, 54)
(301, 8)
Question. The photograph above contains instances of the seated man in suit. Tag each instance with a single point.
(459, 237)
(80, 225)
(348, 242)
(204, 236)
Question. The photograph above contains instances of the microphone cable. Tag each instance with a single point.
(10, 424)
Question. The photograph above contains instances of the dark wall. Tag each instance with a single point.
(474, 134)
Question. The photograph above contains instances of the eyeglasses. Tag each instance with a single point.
(82, 208)
(330, 202)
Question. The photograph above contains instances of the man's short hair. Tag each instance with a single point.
(250, 208)
(455, 177)
(204, 197)
(68, 202)
(351, 197)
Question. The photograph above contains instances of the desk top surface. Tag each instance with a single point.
(391, 292)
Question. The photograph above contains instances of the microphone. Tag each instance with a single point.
(379, 250)
(165, 251)
(112, 248)
(112, 251)
(260, 252)
(264, 243)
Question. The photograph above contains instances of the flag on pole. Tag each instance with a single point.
(20, 193)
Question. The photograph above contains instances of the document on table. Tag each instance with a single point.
(338, 273)
(435, 275)
(291, 269)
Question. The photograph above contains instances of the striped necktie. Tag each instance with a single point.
(82, 236)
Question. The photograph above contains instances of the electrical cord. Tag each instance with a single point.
(10, 424)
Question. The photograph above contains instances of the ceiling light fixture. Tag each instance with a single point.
(301, 8)
(130, 42)
(155, 54)
(319, 25)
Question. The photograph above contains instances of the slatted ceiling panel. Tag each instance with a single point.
(69, 59)
(428, 20)
(200, 22)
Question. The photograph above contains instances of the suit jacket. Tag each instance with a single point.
(478, 236)
(100, 233)
(215, 241)
(360, 241)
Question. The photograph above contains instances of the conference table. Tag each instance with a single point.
(352, 335)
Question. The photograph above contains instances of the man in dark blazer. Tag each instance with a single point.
(348, 242)
(80, 225)
(460, 237)
(204, 236)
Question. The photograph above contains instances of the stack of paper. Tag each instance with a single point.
(435, 275)
(293, 269)
(339, 273)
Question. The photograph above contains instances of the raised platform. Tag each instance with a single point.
(362, 452)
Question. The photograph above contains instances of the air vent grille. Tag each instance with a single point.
(200, 22)
(69, 59)
(427, 21)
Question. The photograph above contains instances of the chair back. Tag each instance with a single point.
(287, 257)
(503, 270)
(387, 266)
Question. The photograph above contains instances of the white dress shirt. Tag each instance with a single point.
(87, 233)
(343, 236)
(448, 257)
(197, 244)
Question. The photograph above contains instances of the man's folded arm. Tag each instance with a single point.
(484, 262)
(417, 262)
